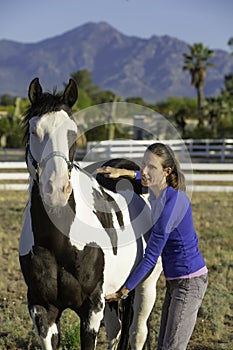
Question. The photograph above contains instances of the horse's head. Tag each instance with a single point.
(51, 135)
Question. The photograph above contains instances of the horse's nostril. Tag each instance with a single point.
(67, 188)
(49, 187)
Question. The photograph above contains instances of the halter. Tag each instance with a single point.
(39, 166)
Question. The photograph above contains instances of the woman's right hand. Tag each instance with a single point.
(115, 173)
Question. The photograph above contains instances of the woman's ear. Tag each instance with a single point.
(167, 171)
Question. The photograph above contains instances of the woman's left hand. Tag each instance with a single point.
(117, 296)
(113, 297)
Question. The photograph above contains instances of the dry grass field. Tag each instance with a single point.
(213, 216)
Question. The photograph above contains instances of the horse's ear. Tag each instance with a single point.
(35, 90)
(70, 94)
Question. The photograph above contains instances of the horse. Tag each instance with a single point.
(79, 240)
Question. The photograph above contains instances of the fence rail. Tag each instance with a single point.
(11, 154)
(201, 177)
(198, 150)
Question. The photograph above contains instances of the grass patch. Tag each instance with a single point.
(213, 221)
(70, 334)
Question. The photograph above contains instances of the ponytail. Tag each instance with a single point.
(176, 178)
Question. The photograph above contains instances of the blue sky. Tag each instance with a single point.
(207, 21)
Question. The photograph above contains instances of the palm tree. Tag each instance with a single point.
(196, 62)
(230, 44)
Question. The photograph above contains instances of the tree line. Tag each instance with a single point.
(213, 115)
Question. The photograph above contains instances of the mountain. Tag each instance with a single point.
(127, 65)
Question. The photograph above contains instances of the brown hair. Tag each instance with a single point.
(176, 178)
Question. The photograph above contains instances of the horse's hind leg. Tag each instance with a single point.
(47, 325)
(145, 295)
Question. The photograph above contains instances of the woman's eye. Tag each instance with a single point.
(152, 167)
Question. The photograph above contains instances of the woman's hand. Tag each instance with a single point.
(113, 297)
(115, 173)
(122, 294)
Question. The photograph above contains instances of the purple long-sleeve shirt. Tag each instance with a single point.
(173, 237)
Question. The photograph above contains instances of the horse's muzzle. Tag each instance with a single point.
(54, 196)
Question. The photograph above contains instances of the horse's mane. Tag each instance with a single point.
(111, 184)
(47, 103)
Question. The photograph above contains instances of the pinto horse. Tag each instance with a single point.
(79, 240)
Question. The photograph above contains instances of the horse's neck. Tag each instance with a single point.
(83, 185)
(50, 227)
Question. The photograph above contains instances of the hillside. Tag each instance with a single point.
(129, 66)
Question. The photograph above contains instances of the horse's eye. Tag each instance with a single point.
(34, 131)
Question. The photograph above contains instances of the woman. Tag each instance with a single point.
(173, 236)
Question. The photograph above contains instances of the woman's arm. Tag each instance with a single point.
(115, 173)
(171, 213)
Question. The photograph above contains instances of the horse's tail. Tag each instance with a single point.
(126, 315)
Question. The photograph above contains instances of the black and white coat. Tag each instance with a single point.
(79, 240)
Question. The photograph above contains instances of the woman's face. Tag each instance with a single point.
(152, 172)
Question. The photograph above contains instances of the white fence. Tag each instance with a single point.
(198, 150)
(201, 177)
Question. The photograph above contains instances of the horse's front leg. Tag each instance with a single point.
(46, 322)
(112, 324)
(145, 295)
(90, 319)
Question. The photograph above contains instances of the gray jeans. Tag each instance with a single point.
(179, 313)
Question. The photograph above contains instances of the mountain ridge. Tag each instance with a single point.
(127, 65)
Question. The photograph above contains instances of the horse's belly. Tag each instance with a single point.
(122, 251)
(118, 267)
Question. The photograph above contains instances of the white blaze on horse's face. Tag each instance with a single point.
(51, 137)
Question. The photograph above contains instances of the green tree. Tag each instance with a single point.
(7, 100)
(104, 96)
(230, 43)
(137, 100)
(178, 110)
(197, 63)
(83, 101)
(85, 82)
(219, 110)
(173, 105)
(227, 101)
(11, 131)
(228, 83)
(4, 127)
